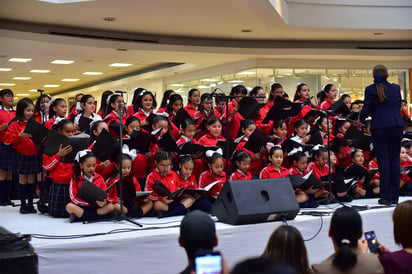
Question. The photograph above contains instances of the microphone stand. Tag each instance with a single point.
(330, 112)
(42, 199)
(121, 216)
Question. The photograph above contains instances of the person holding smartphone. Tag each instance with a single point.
(399, 262)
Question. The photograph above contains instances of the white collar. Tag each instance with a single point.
(89, 179)
(146, 113)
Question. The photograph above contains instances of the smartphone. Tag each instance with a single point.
(210, 263)
(373, 243)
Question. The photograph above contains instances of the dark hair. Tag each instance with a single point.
(162, 155)
(94, 127)
(173, 98)
(140, 98)
(352, 154)
(204, 97)
(186, 158)
(320, 96)
(358, 101)
(238, 89)
(262, 266)
(380, 74)
(345, 236)
(213, 119)
(190, 94)
(255, 91)
(278, 123)
(112, 99)
(340, 123)
(84, 100)
(39, 102)
(327, 88)
(246, 123)
(6, 91)
(188, 122)
(239, 156)
(136, 95)
(407, 144)
(119, 159)
(76, 167)
(130, 120)
(298, 156)
(60, 125)
(103, 102)
(215, 156)
(273, 150)
(286, 244)
(344, 96)
(320, 120)
(166, 96)
(402, 224)
(274, 87)
(159, 118)
(298, 123)
(54, 104)
(298, 89)
(22, 104)
(318, 152)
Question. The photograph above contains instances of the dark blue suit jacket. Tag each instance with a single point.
(386, 114)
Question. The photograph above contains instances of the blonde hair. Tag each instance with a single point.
(380, 73)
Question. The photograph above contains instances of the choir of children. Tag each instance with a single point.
(295, 145)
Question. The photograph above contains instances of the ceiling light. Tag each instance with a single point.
(33, 90)
(5, 69)
(7, 84)
(40, 71)
(119, 65)
(201, 86)
(236, 81)
(20, 60)
(92, 73)
(70, 80)
(62, 62)
(21, 78)
(208, 80)
(64, 1)
(51, 86)
(178, 85)
(22, 94)
(247, 73)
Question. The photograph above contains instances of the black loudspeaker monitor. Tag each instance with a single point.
(256, 201)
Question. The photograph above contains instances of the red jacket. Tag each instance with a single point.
(113, 194)
(5, 117)
(269, 172)
(59, 172)
(293, 170)
(75, 186)
(234, 121)
(207, 178)
(141, 115)
(190, 182)
(112, 116)
(326, 104)
(209, 140)
(49, 123)
(318, 170)
(170, 181)
(238, 175)
(190, 109)
(130, 111)
(23, 145)
(266, 128)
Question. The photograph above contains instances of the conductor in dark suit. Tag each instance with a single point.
(383, 103)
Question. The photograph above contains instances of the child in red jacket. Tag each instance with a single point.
(241, 164)
(84, 167)
(214, 173)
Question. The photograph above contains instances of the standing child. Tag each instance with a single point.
(214, 128)
(214, 173)
(174, 105)
(241, 164)
(88, 108)
(301, 135)
(131, 206)
(57, 108)
(193, 99)
(7, 113)
(60, 173)
(27, 161)
(146, 103)
(84, 168)
(103, 168)
(115, 110)
(164, 206)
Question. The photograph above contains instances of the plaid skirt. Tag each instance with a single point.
(6, 156)
(59, 197)
(27, 164)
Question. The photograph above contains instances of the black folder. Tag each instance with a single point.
(167, 143)
(256, 141)
(160, 189)
(180, 117)
(84, 124)
(189, 148)
(37, 131)
(340, 108)
(78, 142)
(357, 138)
(248, 107)
(140, 141)
(91, 193)
(106, 147)
(281, 109)
(227, 147)
(305, 182)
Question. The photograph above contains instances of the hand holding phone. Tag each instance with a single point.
(373, 243)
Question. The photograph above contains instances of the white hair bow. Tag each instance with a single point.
(294, 151)
(209, 153)
(81, 154)
(269, 146)
(317, 147)
(369, 118)
(316, 120)
(164, 114)
(58, 120)
(108, 98)
(131, 152)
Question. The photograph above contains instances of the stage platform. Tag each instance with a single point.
(122, 247)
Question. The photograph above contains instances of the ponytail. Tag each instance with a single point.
(380, 73)
(345, 259)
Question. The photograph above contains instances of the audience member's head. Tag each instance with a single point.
(262, 266)
(402, 224)
(345, 237)
(197, 233)
(286, 244)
